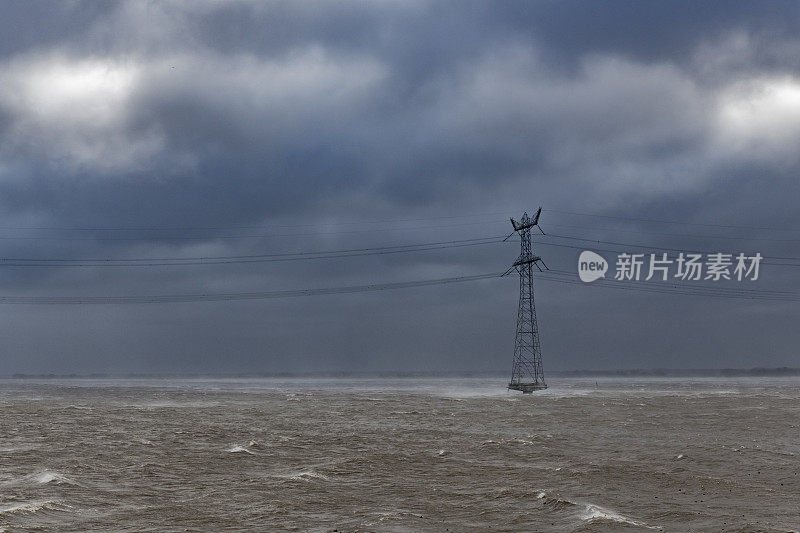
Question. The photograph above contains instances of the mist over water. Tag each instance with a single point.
(412, 454)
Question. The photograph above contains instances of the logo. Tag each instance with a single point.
(688, 266)
(591, 266)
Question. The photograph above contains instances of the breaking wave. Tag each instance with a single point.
(43, 477)
(589, 513)
(247, 448)
(595, 513)
(307, 475)
(32, 507)
(239, 449)
(48, 476)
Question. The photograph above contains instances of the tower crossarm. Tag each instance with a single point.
(525, 261)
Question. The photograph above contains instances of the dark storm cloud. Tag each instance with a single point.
(645, 31)
(36, 24)
(200, 123)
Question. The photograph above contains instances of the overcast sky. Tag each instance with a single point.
(200, 129)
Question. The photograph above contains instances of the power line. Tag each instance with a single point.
(212, 237)
(677, 291)
(573, 247)
(682, 292)
(332, 254)
(647, 246)
(660, 221)
(677, 285)
(690, 235)
(371, 222)
(342, 253)
(260, 226)
(254, 258)
(674, 288)
(607, 250)
(558, 276)
(190, 298)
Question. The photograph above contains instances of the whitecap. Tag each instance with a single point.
(79, 407)
(307, 475)
(555, 503)
(239, 449)
(594, 513)
(48, 476)
(32, 507)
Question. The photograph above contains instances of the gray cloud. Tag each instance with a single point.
(292, 120)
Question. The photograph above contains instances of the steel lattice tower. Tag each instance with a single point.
(526, 374)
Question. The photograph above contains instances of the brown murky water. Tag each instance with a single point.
(399, 455)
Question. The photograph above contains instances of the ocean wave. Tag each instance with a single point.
(306, 475)
(595, 513)
(49, 476)
(589, 512)
(79, 407)
(43, 477)
(32, 507)
(238, 448)
(397, 515)
(556, 504)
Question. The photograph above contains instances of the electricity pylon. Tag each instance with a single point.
(526, 373)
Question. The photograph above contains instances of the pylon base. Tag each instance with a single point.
(527, 388)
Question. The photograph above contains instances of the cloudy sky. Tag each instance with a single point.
(161, 130)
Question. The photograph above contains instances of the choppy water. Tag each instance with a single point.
(400, 455)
